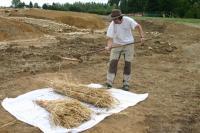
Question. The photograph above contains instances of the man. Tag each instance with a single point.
(120, 33)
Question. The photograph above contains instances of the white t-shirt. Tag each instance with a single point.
(122, 33)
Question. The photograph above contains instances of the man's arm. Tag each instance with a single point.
(109, 43)
(139, 27)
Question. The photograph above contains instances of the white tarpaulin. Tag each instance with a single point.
(25, 109)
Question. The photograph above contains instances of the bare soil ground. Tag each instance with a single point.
(167, 67)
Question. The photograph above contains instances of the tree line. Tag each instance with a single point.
(19, 4)
(160, 8)
(90, 7)
(167, 8)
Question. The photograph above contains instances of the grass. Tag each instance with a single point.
(186, 21)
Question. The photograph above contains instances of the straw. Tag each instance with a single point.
(97, 97)
(66, 113)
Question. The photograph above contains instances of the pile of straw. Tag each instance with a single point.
(66, 113)
(97, 97)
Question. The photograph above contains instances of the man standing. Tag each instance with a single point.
(120, 33)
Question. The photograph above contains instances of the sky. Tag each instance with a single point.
(7, 3)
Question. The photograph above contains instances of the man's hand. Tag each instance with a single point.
(108, 48)
(142, 40)
(109, 44)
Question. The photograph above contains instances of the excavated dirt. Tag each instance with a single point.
(80, 20)
(167, 67)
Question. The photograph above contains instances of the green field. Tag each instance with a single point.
(191, 22)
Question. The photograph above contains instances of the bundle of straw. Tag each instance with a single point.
(66, 113)
(97, 97)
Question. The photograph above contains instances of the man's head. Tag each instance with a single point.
(116, 16)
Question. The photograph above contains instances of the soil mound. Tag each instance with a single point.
(80, 20)
(13, 30)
